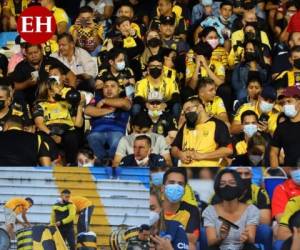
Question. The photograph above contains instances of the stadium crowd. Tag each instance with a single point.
(154, 83)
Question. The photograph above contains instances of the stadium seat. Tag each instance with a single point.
(277, 244)
(271, 183)
(7, 36)
(264, 236)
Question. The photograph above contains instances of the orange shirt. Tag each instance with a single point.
(80, 202)
(18, 205)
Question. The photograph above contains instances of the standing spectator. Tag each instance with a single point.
(220, 234)
(12, 208)
(5, 102)
(103, 9)
(76, 59)
(196, 148)
(286, 136)
(294, 24)
(63, 216)
(141, 124)
(142, 155)
(109, 119)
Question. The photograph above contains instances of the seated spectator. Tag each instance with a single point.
(252, 63)
(57, 119)
(86, 33)
(214, 105)
(30, 149)
(165, 234)
(86, 158)
(109, 119)
(118, 70)
(60, 16)
(156, 81)
(197, 149)
(142, 155)
(18, 57)
(175, 209)
(291, 209)
(265, 109)
(141, 124)
(286, 136)
(5, 102)
(201, 11)
(283, 193)
(33, 70)
(157, 175)
(77, 60)
(103, 10)
(163, 123)
(219, 233)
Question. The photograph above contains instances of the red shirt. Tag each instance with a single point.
(282, 194)
(294, 24)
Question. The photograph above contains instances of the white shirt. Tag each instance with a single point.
(81, 62)
(99, 7)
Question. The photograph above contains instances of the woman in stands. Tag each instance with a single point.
(230, 224)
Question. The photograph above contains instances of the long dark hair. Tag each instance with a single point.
(258, 48)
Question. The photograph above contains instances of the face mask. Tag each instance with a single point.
(157, 178)
(297, 63)
(86, 165)
(174, 192)
(153, 218)
(213, 43)
(250, 129)
(290, 110)
(295, 174)
(154, 42)
(223, 20)
(2, 104)
(155, 113)
(265, 107)
(250, 56)
(143, 162)
(191, 119)
(229, 193)
(255, 159)
(155, 72)
(120, 65)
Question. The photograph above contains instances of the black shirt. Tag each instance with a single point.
(287, 136)
(155, 160)
(165, 123)
(20, 148)
(23, 72)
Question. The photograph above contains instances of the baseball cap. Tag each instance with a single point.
(291, 92)
(269, 93)
(155, 96)
(167, 20)
(207, 2)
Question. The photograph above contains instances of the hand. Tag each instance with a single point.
(82, 100)
(224, 231)
(161, 243)
(109, 46)
(296, 239)
(203, 61)
(100, 103)
(244, 236)
(56, 138)
(197, 156)
(58, 223)
(185, 157)
(263, 126)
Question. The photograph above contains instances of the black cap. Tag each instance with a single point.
(269, 93)
(167, 20)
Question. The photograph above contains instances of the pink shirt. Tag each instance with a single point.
(14, 60)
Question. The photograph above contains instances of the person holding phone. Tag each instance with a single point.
(230, 224)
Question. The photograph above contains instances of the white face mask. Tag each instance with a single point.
(155, 113)
(85, 165)
(143, 162)
(120, 65)
(213, 43)
(255, 159)
(290, 110)
(250, 129)
(265, 107)
(153, 218)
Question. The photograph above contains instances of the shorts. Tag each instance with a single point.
(10, 216)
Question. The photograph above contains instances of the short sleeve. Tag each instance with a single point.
(222, 136)
(253, 215)
(163, 146)
(193, 225)
(276, 139)
(37, 111)
(121, 149)
(209, 217)
(178, 139)
(220, 106)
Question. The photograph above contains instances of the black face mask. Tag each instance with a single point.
(250, 56)
(2, 104)
(154, 42)
(229, 193)
(155, 72)
(297, 63)
(191, 120)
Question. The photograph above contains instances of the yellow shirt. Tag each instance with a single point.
(216, 66)
(273, 115)
(291, 207)
(60, 15)
(167, 88)
(291, 79)
(18, 205)
(189, 196)
(241, 147)
(220, 54)
(137, 29)
(216, 107)
(80, 203)
(9, 4)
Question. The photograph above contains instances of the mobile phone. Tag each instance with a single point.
(35, 74)
(263, 118)
(228, 222)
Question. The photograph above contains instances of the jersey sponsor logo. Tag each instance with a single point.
(182, 245)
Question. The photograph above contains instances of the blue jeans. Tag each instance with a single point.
(97, 141)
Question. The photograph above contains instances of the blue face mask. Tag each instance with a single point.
(157, 178)
(174, 192)
(290, 110)
(250, 129)
(295, 174)
(265, 107)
